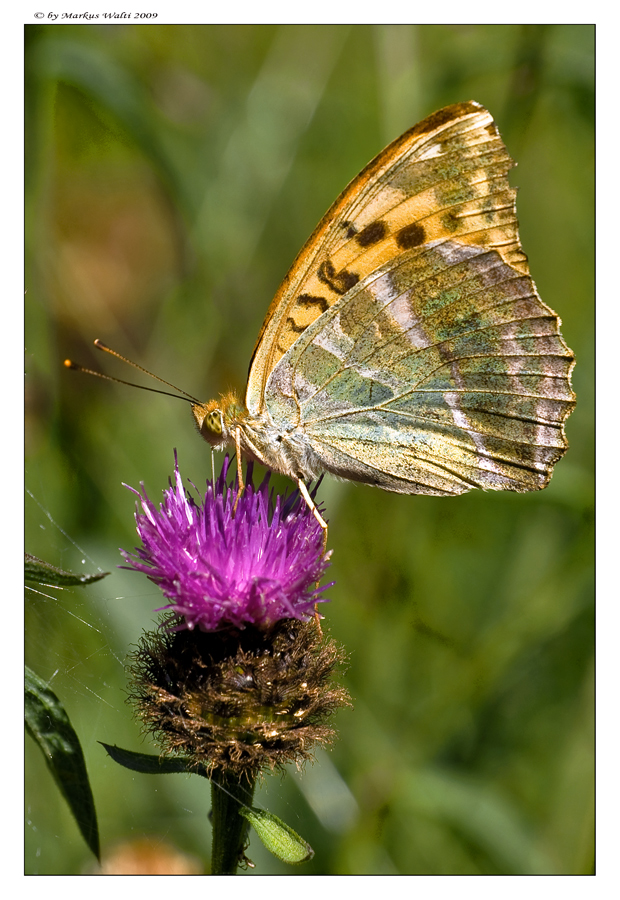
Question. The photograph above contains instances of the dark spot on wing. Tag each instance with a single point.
(372, 234)
(311, 300)
(410, 236)
(339, 282)
(326, 272)
(350, 228)
(347, 280)
(292, 324)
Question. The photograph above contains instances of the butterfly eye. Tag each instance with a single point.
(210, 421)
(213, 422)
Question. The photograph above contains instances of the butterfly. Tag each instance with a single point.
(407, 346)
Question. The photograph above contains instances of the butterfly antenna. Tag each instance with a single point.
(101, 346)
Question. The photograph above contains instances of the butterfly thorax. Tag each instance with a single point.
(226, 422)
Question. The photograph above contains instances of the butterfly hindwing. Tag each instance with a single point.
(439, 372)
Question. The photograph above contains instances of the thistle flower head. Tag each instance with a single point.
(240, 680)
(220, 570)
(239, 702)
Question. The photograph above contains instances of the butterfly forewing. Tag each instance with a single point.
(445, 179)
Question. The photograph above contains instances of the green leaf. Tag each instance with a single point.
(277, 836)
(148, 764)
(41, 572)
(48, 723)
(279, 839)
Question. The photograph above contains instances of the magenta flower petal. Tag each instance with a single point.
(217, 571)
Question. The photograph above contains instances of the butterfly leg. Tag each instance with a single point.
(303, 490)
(240, 484)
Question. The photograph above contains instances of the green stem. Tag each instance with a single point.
(229, 828)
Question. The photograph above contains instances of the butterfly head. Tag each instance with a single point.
(217, 418)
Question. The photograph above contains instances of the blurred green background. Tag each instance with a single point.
(173, 172)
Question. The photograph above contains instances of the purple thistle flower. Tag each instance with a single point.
(218, 571)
